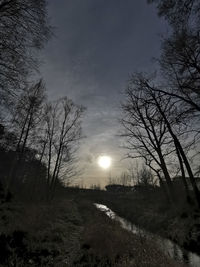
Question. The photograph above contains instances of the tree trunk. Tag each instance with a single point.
(183, 175)
(182, 153)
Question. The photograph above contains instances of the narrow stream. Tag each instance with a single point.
(167, 246)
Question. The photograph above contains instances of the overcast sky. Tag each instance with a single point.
(97, 45)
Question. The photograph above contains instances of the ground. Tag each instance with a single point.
(70, 231)
(179, 222)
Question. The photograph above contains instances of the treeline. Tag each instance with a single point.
(161, 112)
(38, 138)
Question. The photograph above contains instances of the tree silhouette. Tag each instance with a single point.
(63, 131)
(24, 29)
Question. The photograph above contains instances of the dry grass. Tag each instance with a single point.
(49, 234)
(105, 243)
(69, 233)
(180, 223)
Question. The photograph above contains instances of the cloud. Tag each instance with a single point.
(97, 45)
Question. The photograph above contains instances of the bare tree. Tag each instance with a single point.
(146, 132)
(178, 12)
(23, 30)
(145, 177)
(157, 99)
(63, 128)
(124, 179)
(180, 64)
(27, 115)
(132, 171)
(180, 58)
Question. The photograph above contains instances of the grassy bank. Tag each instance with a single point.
(70, 232)
(34, 234)
(181, 223)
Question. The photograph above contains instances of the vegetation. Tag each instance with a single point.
(161, 114)
(71, 232)
(148, 208)
(38, 138)
(45, 224)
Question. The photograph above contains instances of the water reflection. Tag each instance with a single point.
(167, 246)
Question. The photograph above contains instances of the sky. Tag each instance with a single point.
(96, 46)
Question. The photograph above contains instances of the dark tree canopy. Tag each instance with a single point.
(180, 57)
(23, 30)
(178, 12)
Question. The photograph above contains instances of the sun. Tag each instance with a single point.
(104, 162)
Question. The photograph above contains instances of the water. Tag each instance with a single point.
(167, 246)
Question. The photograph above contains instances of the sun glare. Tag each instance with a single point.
(104, 162)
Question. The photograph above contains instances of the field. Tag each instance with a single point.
(70, 231)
